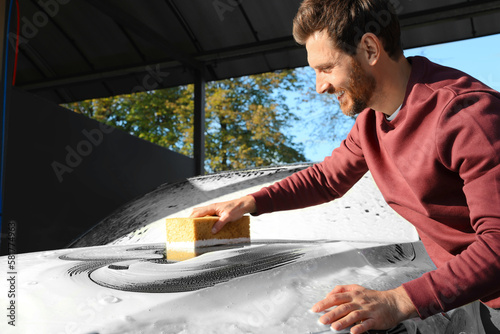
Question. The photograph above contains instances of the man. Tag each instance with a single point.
(430, 136)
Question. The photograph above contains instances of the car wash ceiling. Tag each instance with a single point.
(71, 50)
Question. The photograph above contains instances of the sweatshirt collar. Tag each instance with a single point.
(417, 70)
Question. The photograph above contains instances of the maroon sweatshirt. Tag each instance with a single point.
(437, 165)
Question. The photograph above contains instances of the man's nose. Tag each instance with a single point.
(322, 86)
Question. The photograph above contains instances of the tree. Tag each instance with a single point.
(245, 119)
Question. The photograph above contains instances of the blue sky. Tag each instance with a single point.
(479, 57)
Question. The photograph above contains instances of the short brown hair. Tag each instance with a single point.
(346, 21)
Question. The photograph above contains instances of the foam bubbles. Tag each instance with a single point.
(109, 299)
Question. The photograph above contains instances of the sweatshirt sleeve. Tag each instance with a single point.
(468, 142)
(320, 183)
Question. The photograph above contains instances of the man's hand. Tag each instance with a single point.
(227, 211)
(365, 309)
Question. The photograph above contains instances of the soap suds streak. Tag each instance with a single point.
(181, 277)
(390, 255)
(95, 259)
(87, 267)
(204, 276)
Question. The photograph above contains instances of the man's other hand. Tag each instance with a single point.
(365, 309)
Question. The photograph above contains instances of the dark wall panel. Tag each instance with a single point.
(66, 172)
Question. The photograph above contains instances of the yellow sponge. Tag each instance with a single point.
(190, 233)
(178, 254)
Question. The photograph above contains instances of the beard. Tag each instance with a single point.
(361, 86)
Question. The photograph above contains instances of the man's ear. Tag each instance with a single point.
(370, 48)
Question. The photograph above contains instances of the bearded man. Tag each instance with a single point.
(430, 135)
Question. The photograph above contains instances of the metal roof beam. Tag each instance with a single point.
(95, 76)
(449, 13)
(199, 123)
(242, 51)
(182, 21)
(43, 67)
(221, 55)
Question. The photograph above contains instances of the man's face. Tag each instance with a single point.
(340, 74)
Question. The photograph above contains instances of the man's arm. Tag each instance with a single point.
(320, 183)
(317, 184)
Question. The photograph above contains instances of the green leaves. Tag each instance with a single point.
(245, 119)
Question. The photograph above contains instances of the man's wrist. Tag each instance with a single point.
(248, 204)
(404, 303)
